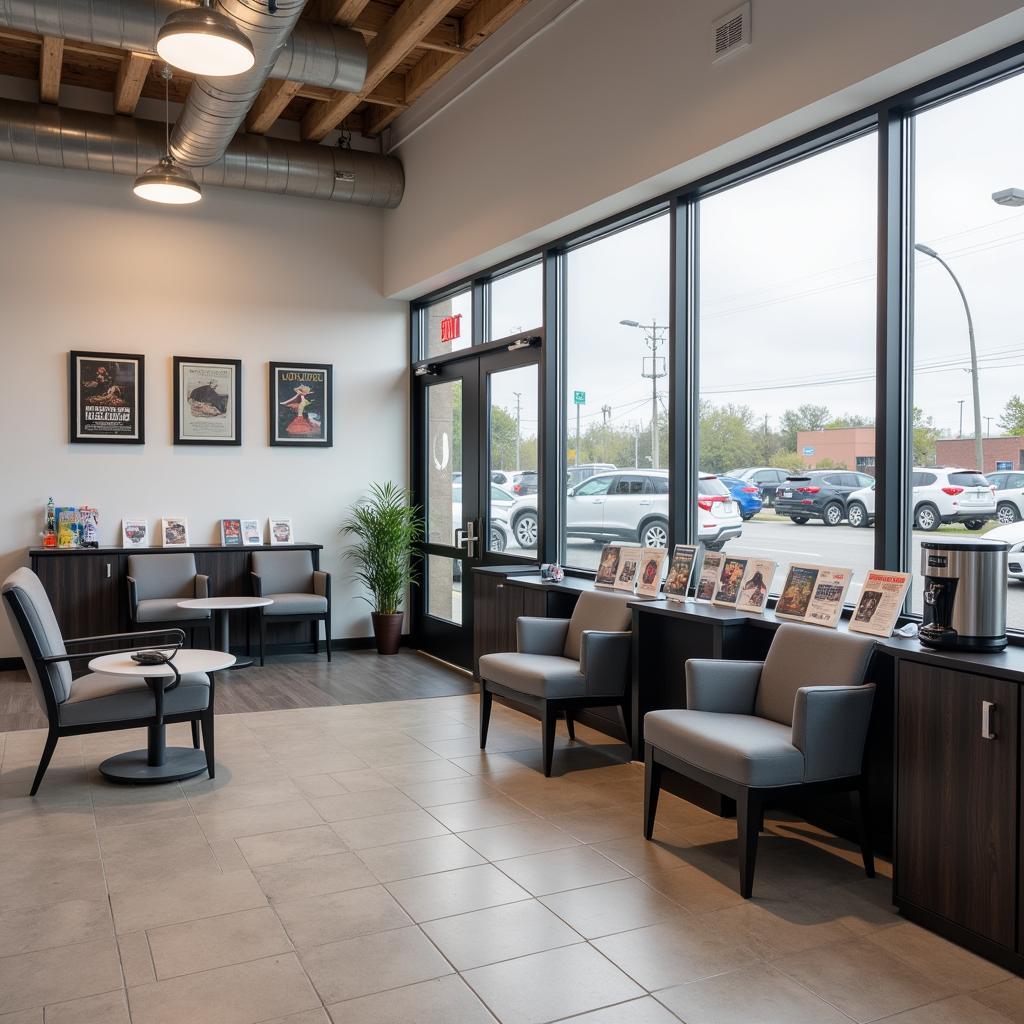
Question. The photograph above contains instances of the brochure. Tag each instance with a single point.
(677, 583)
(231, 533)
(710, 568)
(796, 592)
(880, 603)
(252, 535)
(608, 567)
(135, 533)
(629, 568)
(280, 530)
(727, 593)
(814, 594)
(652, 564)
(754, 587)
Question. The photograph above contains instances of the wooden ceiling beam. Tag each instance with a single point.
(411, 22)
(275, 95)
(51, 57)
(131, 77)
(444, 36)
(343, 12)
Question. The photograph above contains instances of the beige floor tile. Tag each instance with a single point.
(448, 791)
(612, 907)
(396, 754)
(134, 855)
(34, 1016)
(365, 779)
(320, 764)
(755, 993)
(108, 1008)
(475, 814)
(639, 856)
(383, 829)
(550, 985)
(136, 958)
(24, 819)
(862, 980)
(216, 942)
(373, 963)
(40, 871)
(318, 785)
(242, 994)
(362, 805)
(242, 794)
(694, 889)
(636, 1011)
(419, 857)
(58, 924)
(519, 839)
(862, 906)
(56, 975)
(588, 827)
(291, 844)
(252, 821)
(445, 1001)
(1006, 998)
(455, 892)
(305, 1017)
(499, 933)
(962, 1009)
(316, 920)
(174, 900)
(313, 876)
(544, 873)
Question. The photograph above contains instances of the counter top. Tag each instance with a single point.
(37, 551)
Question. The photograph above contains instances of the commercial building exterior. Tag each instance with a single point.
(999, 452)
(846, 448)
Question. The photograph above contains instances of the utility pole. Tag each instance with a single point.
(988, 426)
(519, 432)
(636, 445)
(654, 336)
(960, 432)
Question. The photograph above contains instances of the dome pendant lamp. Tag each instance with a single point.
(203, 41)
(167, 182)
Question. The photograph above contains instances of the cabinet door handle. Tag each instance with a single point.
(500, 586)
(108, 570)
(987, 707)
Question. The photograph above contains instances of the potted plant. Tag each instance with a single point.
(385, 528)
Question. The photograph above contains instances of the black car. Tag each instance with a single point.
(819, 494)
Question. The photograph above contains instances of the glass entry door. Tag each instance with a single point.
(477, 448)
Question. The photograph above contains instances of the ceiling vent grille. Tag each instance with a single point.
(730, 33)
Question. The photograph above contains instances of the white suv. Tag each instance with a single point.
(1009, 496)
(940, 496)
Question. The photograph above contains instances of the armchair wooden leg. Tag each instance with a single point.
(748, 819)
(248, 633)
(485, 712)
(327, 633)
(207, 724)
(548, 720)
(263, 637)
(195, 734)
(315, 628)
(652, 787)
(570, 726)
(867, 847)
(44, 761)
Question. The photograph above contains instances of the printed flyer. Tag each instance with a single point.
(881, 601)
(757, 578)
(710, 568)
(677, 583)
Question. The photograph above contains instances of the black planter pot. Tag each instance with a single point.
(387, 629)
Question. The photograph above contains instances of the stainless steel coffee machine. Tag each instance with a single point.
(964, 594)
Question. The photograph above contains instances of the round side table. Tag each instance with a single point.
(158, 762)
(222, 607)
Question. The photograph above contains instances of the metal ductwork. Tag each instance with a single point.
(50, 136)
(324, 55)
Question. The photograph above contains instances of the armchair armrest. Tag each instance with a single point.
(830, 726)
(322, 583)
(725, 687)
(604, 661)
(202, 586)
(537, 635)
(257, 584)
(133, 597)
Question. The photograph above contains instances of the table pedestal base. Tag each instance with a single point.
(134, 766)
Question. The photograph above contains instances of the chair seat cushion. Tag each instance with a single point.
(296, 604)
(98, 697)
(749, 750)
(540, 675)
(165, 609)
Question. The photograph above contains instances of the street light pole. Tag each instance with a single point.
(979, 450)
(960, 430)
(654, 336)
(519, 396)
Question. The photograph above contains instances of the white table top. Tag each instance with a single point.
(226, 603)
(185, 661)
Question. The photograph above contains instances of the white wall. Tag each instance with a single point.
(85, 265)
(618, 102)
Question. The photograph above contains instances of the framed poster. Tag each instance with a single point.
(252, 535)
(231, 533)
(207, 401)
(106, 398)
(135, 533)
(174, 532)
(280, 530)
(302, 405)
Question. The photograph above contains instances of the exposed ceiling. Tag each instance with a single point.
(412, 44)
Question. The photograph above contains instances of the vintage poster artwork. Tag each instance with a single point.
(710, 569)
(301, 404)
(797, 592)
(174, 532)
(729, 580)
(135, 533)
(629, 568)
(826, 605)
(652, 564)
(231, 533)
(757, 578)
(677, 582)
(881, 601)
(207, 401)
(106, 398)
(252, 535)
(608, 567)
(280, 530)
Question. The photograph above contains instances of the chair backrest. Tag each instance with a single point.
(808, 656)
(600, 610)
(284, 572)
(168, 575)
(38, 636)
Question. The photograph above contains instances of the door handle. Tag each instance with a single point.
(987, 732)
(468, 538)
(598, 501)
(108, 570)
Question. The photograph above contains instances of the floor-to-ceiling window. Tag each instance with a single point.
(447, 325)
(787, 361)
(515, 302)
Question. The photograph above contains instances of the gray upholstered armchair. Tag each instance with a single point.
(300, 593)
(760, 731)
(563, 665)
(157, 582)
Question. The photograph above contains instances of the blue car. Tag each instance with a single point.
(746, 496)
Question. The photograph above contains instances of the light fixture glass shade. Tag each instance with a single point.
(204, 42)
(168, 183)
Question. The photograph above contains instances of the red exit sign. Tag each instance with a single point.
(451, 327)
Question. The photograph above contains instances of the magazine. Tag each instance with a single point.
(252, 535)
(652, 564)
(796, 592)
(174, 532)
(608, 567)
(727, 593)
(629, 568)
(826, 605)
(707, 581)
(135, 533)
(280, 530)
(880, 603)
(231, 533)
(677, 583)
(754, 587)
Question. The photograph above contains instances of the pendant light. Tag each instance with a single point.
(203, 41)
(167, 182)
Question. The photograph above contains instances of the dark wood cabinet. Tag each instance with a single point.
(497, 603)
(957, 797)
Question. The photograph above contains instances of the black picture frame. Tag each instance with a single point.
(111, 382)
(233, 407)
(309, 419)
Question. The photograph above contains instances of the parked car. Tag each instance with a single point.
(632, 505)
(746, 495)
(951, 496)
(575, 475)
(524, 483)
(860, 507)
(502, 478)
(818, 494)
(501, 501)
(1013, 534)
(767, 479)
(1009, 496)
